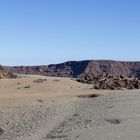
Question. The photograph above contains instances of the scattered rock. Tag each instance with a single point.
(18, 83)
(28, 86)
(56, 80)
(110, 82)
(40, 80)
(89, 96)
(40, 101)
(113, 121)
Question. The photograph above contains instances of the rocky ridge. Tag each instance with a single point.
(76, 68)
(5, 74)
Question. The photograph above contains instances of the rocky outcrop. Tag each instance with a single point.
(5, 74)
(76, 68)
(128, 69)
(110, 82)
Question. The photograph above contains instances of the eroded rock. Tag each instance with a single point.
(110, 82)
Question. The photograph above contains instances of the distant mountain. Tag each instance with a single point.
(76, 68)
(67, 69)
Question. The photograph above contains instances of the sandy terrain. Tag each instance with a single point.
(53, 109)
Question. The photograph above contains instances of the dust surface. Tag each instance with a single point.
(63, 109)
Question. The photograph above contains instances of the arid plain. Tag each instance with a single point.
(45, 108)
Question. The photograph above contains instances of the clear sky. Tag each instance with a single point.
(36, 32)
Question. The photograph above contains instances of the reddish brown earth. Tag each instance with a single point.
(5, 74)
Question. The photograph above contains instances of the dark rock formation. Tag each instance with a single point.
(75, 68)
(67, 69)
(110, 82)
(128, 69)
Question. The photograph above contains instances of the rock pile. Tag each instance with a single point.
(110, 82)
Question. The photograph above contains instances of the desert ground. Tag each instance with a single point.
(64, 109)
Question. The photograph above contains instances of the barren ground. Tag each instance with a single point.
(60, 108)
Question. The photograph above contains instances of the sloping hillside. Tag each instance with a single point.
(5, 74)
(75, 68)
(101, 67)
(67, 69)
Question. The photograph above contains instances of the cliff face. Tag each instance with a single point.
(76, 68)
(67, 69)
(4, 74)
(114, 68)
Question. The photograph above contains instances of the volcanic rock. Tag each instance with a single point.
(5, 74)
(110, 82)
(76, 68)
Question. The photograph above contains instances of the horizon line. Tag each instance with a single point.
(71, 61)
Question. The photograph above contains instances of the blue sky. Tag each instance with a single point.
(34, 32)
